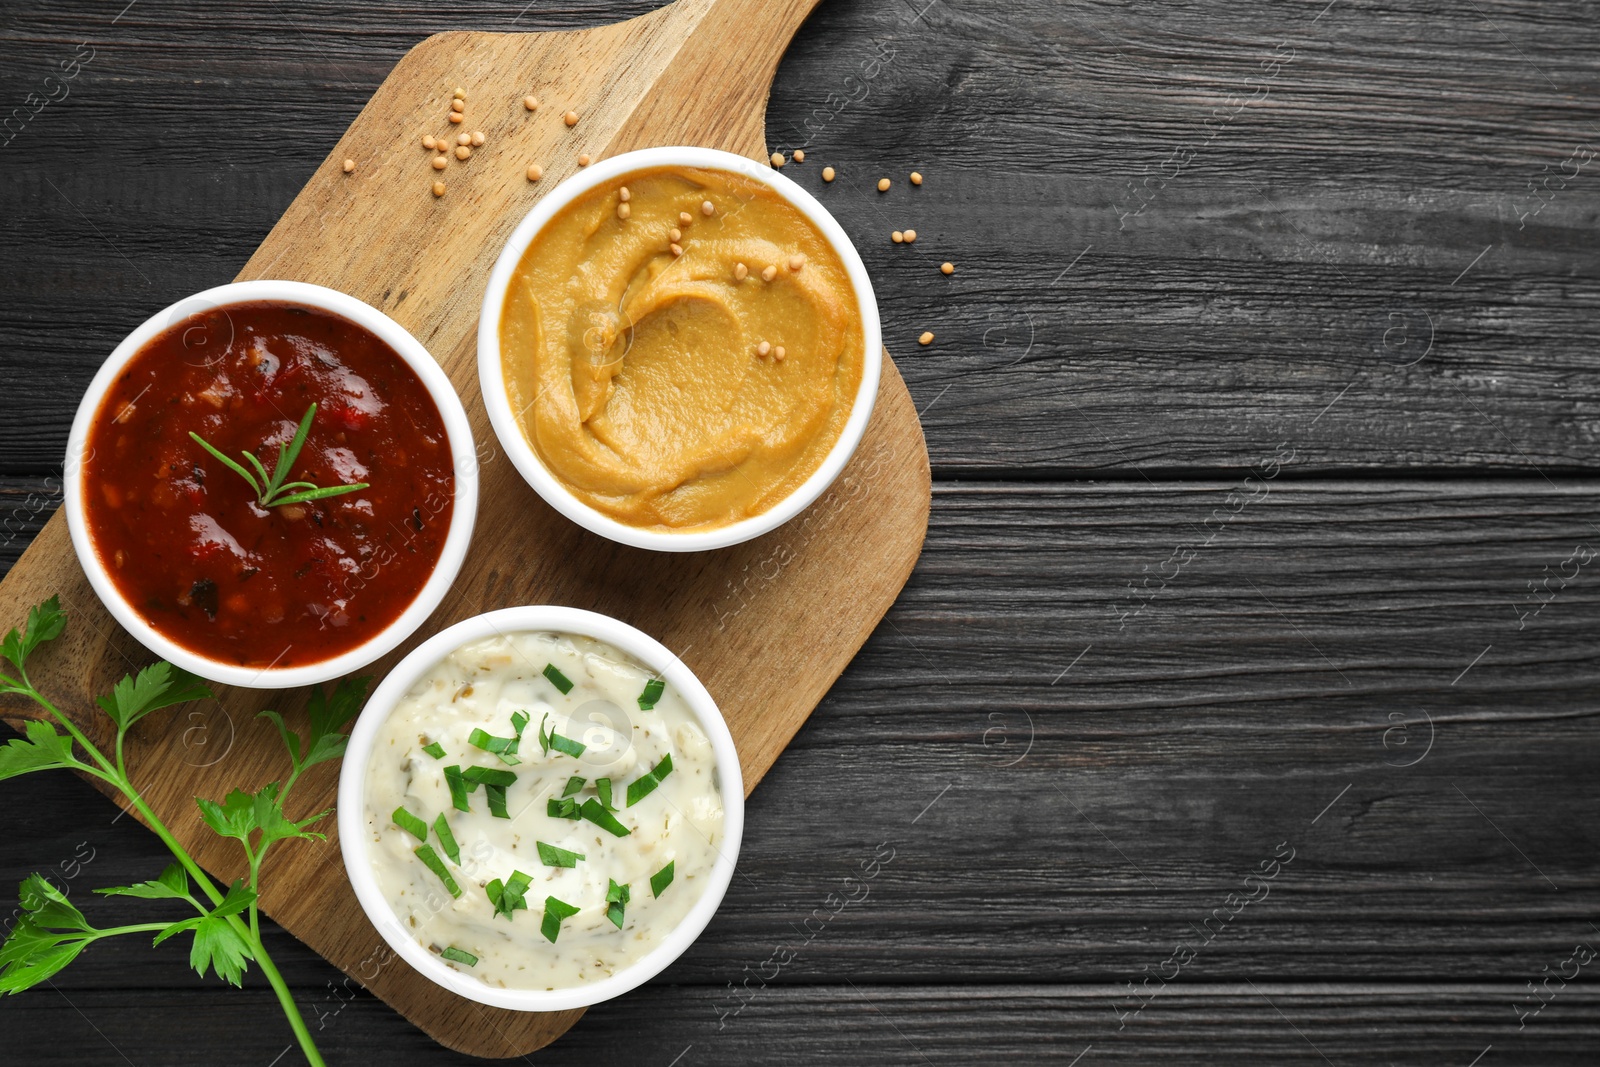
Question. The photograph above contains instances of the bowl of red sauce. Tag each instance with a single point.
(271, 484)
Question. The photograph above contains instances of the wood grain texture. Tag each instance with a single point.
(1398, 145)
(767, 625)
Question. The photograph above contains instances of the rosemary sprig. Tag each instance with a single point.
(271, 490)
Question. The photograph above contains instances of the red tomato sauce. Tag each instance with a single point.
(186, 541)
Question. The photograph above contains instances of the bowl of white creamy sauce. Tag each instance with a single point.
(540, 808)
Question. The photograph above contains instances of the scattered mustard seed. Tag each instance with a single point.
(624, 210)
(883, 185)
(778, 353)
(438, 188)
(349, 165)
(897, 237)
(457, 105)
(763, 348)
(707, 208)
(916, 178)
(478, 138)
(675, 234)
(796, 261)
(570, 118)
(624, 194)
(828, 174)
(428, 141)
(684, 218)
(531, 103)
(799, 155)
(584, 160)
(440, 162)
(677, 249)
(463, 152)
(740, 272)
(911, 235)
(777, 160)
(455, 116)
(463, 138)
(535, 172)
(769, 273)
(460, 93)
(926, 338)
(947, 268)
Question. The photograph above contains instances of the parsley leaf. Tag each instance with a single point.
(172, 885)
(158, 686)
(326, 716)
(45, 749)
(45, 623)
(241, 814)
(217, 945)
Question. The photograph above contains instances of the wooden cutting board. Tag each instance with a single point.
(767, 625)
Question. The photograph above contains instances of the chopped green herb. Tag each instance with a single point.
(551, 856)
(661, 879)
(519, 723)
(640, 788)
(616, 902)
(504, 747)
(496, 795)
(555, 911)
(459, 956)
(431, 859)
(510, 895)
(566, 744)
(458, 787)
(574, 785)
(560, 681)
(596, 813)
(410, 823)
(652, 693)
(603, 786)
(565, 808)
(436, 750)
(489, 776)
(447, 840)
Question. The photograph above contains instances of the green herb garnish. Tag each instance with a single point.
(596, 813)
(489, 776)
(652, 693)
(566, 808)
(574, 785)
(616, 901)
(459, 956)
(458, 787)
(555, 911)
(550, 740)
(410, 823)
(560, 681)
(436, 750)
(49, 931)
(551, 856)
(447, 840)
(431, 860)
(271, 491)
(640, 788)
(603, 787)
(662, 878)
(504, 747)
(510, 895)
(496, 796)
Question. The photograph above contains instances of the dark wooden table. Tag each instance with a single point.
(1265, 423)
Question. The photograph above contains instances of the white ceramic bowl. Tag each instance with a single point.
(509, 431)
(464, 511)
(353, 801)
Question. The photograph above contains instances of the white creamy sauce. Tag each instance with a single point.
(481, 685)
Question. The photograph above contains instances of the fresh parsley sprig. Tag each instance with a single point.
(51, 932)
(271, 490)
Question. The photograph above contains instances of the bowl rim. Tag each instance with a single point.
(457, 430)
(535, 618)
(505, 423)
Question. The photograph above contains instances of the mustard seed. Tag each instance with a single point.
(926, 338)
(916, 178)
(777, 160)
(460, 93)
(707, 208)
(883, 185)
(911, 235)
(478, 138)
(531, 103)
(897, 237)
(763, 348)
(428, 141)
(684, 218)
(535, 172)
(740, 272)
(796, 261)
(570, 118)
(455, 117)
(584, 160)
(828, 174)
(947, 268)
(624, 210)
(438, 188)
(624, 194)
(675, 234)
(464, 138)
(769, 273)
(677, 249)
(349, 165)
(463, 152)
(799, 155)
(457, 105)
(440, 162)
